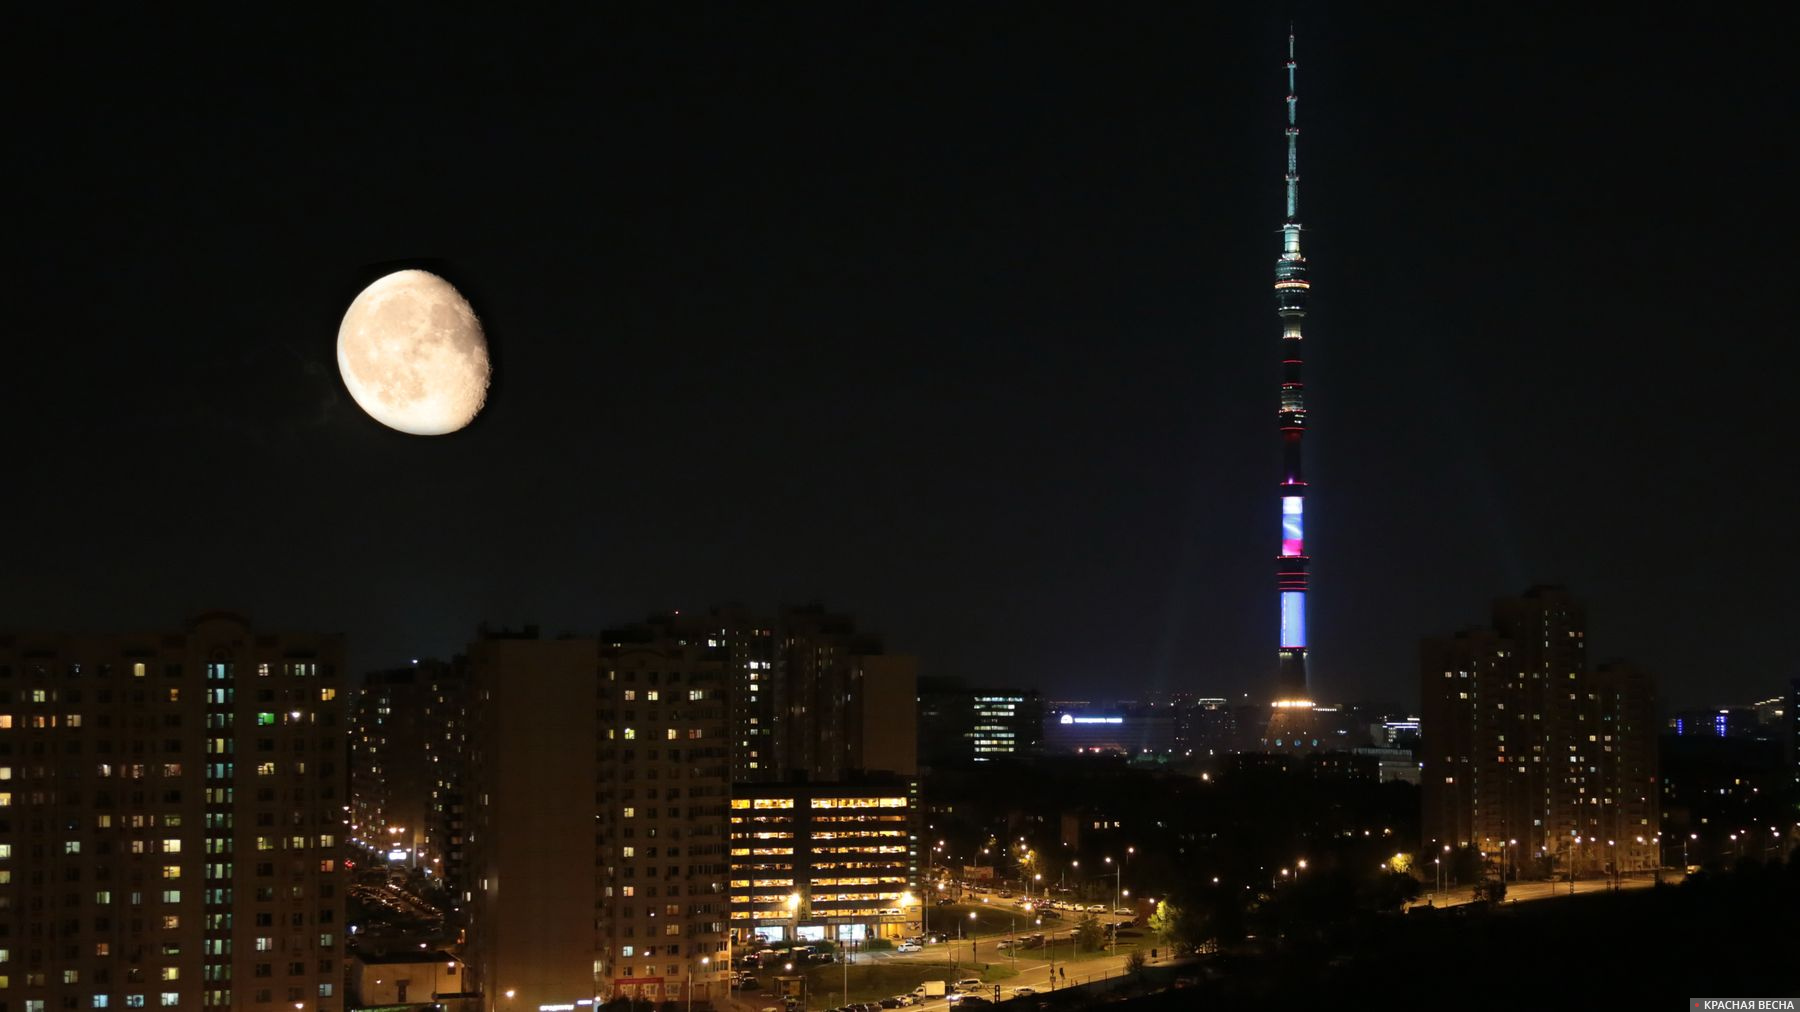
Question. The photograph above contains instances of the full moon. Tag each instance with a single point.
(413, 354)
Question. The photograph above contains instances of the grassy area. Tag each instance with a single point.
(877, 980)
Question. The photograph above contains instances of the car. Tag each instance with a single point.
(909, 947)
(969, 984)
(1024, 992)
(944, 901)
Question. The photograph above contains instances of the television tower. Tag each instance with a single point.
(1292, 716)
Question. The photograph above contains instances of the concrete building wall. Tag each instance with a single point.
(531, 812)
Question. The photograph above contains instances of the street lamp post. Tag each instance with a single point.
(705, 961)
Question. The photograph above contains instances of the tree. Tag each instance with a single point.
(1164, 923)
(1389, 891)
(1490, 890)
(1088, 933)
(1183, 925)
(1135, 961)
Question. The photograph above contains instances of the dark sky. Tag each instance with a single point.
(956, 317)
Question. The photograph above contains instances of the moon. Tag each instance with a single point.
(413, 355)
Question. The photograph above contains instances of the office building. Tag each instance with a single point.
(961, 726)
(835, 861)
(1122, 729)
(171, 819)
(1716, 722)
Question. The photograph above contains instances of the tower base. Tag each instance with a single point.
(1293, 728)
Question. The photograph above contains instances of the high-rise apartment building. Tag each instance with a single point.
(533, 798)
(445, 746)
(835, 861)
(842, 704)
(1793, 736)
(599, 774)
(1523, 745)
(666, 755)
(171, 818)
(391, 777)
(1205, 726)
(811, 695)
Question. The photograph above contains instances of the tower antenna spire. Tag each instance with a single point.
(1293, 137)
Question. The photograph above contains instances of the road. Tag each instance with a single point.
(1525, 892)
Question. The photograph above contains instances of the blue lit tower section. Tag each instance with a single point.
(1290, 301)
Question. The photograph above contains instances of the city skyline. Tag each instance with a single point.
(963, 335)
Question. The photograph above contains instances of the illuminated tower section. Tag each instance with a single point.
(1290, 301)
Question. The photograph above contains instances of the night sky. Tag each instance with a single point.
(955, 317)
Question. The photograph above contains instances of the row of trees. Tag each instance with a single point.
(1312, 905)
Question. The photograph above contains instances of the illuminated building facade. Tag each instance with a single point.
(837, 861)
(1290, 726)
(1129, 730)
(1521, 741)
(171, 819)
